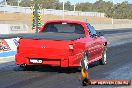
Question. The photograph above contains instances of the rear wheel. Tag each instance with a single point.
(84, 61)
(103, 61)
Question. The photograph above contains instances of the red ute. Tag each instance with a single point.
(62, 43)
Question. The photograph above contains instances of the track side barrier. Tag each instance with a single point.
(8, 47)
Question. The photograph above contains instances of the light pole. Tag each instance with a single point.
(5, 6)
(5, 2)
(18, 2)
(74, 7)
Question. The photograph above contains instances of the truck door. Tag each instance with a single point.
(95, 42)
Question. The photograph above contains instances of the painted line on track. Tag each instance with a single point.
(7, 54)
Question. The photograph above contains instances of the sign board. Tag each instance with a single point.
(13, 43)
(4, 28)
(13, 28)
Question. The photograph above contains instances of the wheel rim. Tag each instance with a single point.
(104, 57)
(84, 63)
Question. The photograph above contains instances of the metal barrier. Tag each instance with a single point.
(16, 9)
(13, 28)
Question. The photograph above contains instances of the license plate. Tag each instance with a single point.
(36, 61)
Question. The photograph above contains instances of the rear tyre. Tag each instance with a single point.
(84, 61)
(103, 61)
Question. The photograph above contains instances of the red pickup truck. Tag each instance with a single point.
(62, 43)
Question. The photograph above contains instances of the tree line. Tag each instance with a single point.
(119, 11)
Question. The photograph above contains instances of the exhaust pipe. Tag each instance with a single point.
(23, 65)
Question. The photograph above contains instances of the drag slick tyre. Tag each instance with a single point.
(84, 61)
(103, 61)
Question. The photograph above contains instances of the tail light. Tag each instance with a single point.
(18, 45)
(17, 49)
(71, 49)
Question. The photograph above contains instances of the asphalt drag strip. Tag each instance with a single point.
(118, 67)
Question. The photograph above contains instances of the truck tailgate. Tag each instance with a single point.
(43, 48)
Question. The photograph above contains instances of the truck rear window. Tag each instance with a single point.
(64, 28)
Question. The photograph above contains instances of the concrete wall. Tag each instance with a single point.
(110, 26)
(13, 28)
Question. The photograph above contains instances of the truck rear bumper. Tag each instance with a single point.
(70, 61)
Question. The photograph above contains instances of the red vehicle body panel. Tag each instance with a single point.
(57, 53)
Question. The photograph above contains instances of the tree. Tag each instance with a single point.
(12, 2)
(68, 6)
(122, 10)
(119, 11)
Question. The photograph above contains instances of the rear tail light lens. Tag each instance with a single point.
(71, 47)
(71, 50)
(17, 49)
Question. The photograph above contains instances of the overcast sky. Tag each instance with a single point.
(92, 1)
